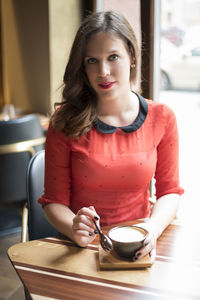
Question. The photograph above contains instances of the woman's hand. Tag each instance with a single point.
(149, 242)
(163, 212)
(83, 228)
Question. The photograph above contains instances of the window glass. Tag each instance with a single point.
(180, 89)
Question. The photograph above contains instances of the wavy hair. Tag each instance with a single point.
(78, 108)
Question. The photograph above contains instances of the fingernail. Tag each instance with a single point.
(135, 258)
(90, 233)
(95, 231)
(96, 218)
(138, 254)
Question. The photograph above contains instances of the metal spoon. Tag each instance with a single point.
(105, 242)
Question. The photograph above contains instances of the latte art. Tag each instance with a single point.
(127, 234)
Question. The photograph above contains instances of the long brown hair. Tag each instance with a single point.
(78, 109)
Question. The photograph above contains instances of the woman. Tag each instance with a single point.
(105, 142)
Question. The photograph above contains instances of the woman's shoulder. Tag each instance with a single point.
(158, 108)
(56, 134)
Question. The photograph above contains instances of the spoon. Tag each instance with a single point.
(105, 242)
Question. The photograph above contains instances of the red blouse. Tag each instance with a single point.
(111, 168)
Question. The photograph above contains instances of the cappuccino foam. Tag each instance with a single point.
(126, 234)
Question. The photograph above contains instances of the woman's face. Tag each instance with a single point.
(107, 65)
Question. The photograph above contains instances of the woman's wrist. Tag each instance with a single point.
(153, 226)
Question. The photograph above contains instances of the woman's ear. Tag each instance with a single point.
(132, 62)
(132, 58)
(132, 66)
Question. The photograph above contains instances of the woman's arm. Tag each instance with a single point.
(167, 181)
(163, 212)
(56, 197)
(78, 228)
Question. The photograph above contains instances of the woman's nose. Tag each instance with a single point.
(104, 69)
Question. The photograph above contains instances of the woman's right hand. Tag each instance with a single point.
(83, 228)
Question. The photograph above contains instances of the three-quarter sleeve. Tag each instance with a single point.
(167, 168)
(57, 184)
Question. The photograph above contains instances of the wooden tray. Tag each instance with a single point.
(108, 261)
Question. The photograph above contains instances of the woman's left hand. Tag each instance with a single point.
(149, 242)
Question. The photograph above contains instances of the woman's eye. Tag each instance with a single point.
(91, 60)
(114, 57)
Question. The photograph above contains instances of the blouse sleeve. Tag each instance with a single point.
(57, 183)
(167, 168)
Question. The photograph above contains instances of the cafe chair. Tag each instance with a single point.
(38, 226)
(20, 139)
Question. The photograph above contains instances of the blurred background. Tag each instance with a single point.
(180, 89)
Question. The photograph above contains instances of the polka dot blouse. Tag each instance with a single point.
(111, 167)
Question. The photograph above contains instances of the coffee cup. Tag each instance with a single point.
(127, 240)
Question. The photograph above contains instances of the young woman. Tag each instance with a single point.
(105, 142)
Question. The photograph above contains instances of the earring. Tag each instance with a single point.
(132, 66)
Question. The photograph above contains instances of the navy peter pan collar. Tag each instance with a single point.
(106, 128)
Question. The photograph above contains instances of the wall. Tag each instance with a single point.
(25, 54)
(36, 38)
(65, 18)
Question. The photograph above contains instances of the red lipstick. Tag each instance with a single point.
(106, 85)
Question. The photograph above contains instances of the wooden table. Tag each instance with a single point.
(50, 270)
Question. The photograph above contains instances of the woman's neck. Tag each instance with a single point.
(119, 112)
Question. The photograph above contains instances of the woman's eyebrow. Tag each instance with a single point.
(109, 52)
